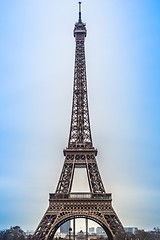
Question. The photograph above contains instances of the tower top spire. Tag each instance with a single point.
(80, 19)
(80, 31)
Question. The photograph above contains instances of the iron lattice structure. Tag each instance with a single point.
(63, 204)
(80, 133)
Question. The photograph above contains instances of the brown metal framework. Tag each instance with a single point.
(65, 205)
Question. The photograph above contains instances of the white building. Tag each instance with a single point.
(131, 229)
(91, 230)
(99, 230)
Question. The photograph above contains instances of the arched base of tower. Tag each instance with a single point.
(63, 209)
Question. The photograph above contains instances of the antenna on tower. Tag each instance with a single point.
(80, 20)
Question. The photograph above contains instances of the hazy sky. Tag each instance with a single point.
(36, 79)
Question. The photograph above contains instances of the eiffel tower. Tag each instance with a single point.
(63, 204)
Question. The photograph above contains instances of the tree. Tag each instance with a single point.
(14, 233)
(142, 235)
(139, 235)
(125, 236)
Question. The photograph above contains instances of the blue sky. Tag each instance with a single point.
(36, 79)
